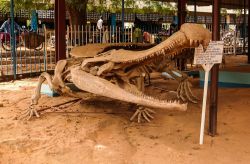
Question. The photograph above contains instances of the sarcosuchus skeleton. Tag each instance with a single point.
(117, 73)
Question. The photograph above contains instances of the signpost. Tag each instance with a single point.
(212, 55)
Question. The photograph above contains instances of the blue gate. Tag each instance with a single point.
(30, 55)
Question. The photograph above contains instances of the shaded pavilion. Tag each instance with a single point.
(217, 4)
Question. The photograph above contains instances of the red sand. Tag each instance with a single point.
(99, 130)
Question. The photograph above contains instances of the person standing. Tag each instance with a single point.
(34, 21)
(99, 30)
(137, 35)
(99, 23)
(6, 26)
(173, 28)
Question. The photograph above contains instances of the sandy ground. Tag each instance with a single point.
(98, 130)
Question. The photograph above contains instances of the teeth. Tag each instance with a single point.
(191, 42)
(171, 46)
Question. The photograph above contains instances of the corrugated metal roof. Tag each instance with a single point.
(230, 4)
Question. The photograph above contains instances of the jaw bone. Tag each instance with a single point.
(99, 86)
(189, 36)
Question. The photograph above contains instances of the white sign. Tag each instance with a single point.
(212, 55)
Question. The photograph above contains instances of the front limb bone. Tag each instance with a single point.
(44, 76)
(183, 91)
(31, 111)
(53, 84)
(56, 84)
(57, 79)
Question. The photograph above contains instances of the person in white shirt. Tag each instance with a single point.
(99, 23)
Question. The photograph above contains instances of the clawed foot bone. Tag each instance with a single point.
(184, 92)
(31, 111)
(144, 113)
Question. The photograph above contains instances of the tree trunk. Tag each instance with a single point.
(77, 16)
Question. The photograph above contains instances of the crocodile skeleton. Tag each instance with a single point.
(116, 73)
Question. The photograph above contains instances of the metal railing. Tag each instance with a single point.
(30, 55)
(30, 61)
(128, 17)
(82, 35)
(234, 43)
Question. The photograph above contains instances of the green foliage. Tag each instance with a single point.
(238, 12)
(25, 5)
(131, 6)
(158, 7)
(99, 7)
(115, 6)
(223, 12)
(4, 5)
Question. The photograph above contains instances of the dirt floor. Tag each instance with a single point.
(98, 130)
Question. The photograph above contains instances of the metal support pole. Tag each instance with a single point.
(123, 21)
(195, 11)
(214, 72)
(181, 20)
(248, 53)
(181, 12)
(60, 32)
(13, 38)
(244, 28)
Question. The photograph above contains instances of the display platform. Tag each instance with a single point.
(231, 78)
(45, 89)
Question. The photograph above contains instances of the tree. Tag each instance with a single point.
(77, 11)
(99, 7)
(76, 8)
(25, 4)
(223, 12)
(238, 15)
(149, 6)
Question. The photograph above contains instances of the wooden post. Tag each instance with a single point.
(214, 72)
(60, 17)
(181, 12)
(248, 53)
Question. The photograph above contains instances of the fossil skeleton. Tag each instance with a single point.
(119, 74)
